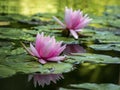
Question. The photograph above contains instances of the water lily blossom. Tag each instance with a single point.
(46, 49)
(74, 21)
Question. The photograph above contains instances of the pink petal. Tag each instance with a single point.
(56, 51)
(83, 23)
(75, 35)
(48, 47)
(58, 21)
(37, 45)
(39, 42)
(78, 30)
(34, 51)
(60, 50)
(75, 18)
(42, 61)
(57, 58)
(68, 17)
(27, 49)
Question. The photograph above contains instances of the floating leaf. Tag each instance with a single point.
(101, 37)
(6, 71)
(14, 34)
(28, 35)
(92, 58)
(57, 68)
(105, 47)
(17, 51)
(114, 23)
(26, 64)
(92, 86)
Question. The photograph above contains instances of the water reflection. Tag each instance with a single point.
(74, 48)
(44, 79)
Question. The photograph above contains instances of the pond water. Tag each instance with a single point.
(85, 73)
(95, 55)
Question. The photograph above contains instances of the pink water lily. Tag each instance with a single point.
(74, 21)
(44, 79)
(46, 49)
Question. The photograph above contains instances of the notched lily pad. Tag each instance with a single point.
(27, 64)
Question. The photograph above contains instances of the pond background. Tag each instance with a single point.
(84, 72)
(29, 7)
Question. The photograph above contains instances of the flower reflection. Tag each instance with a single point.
(74, 48)
(74, 21)
(44, 79)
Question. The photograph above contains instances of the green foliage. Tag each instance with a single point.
(92, 58)
(6, 71)
(106, 47)
(26, 64)
(100, 37)
(92, 86)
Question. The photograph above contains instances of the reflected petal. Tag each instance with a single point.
(45, 79)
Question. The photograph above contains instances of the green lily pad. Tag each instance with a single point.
(14, 34)
(6, 71)
(105, 47)
(26, 64)
(92, 86)
(29, 35)
(101, 37)
(10, 50)
(92, 58)
(114, 23)
(14, 61)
